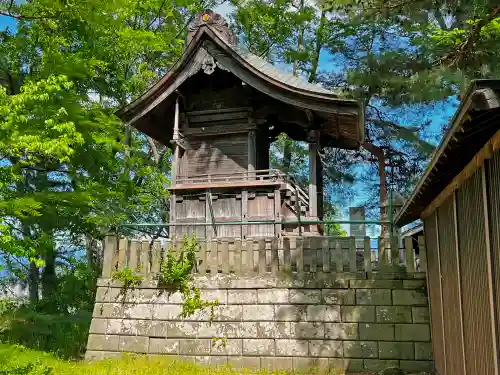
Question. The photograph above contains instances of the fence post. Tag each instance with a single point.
(422, 254)
(352, 254)
(367, 254)
(410, 254)
(109, 255)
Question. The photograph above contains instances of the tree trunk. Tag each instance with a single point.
(319, 45)
(287, 155)
(49, 280)
(33, 283)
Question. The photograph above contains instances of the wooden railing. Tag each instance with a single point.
(257, 175)
(287, 255)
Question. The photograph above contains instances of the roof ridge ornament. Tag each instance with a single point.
(216, 22)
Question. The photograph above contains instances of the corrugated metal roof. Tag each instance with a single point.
(278, 74)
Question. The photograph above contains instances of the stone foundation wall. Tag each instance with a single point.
(359, 321)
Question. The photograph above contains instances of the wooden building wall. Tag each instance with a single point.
(463, 247)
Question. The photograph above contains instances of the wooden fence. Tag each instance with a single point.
(270, 255)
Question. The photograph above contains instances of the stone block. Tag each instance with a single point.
(258, 347)
(181, 329)
(203, 360)
(98, 326)
(167, 312)
(272, 296)
(412, 332)
(341, 331)
(305, 296)
(376, 284)
(276, 363)
(244, 362)
(379, 364)
(325, 348)
(223, 346)
(271, 330)
(420, 314)
(194, 346)
(175, 298)
(227, 330)
(338, 296)
(376, 331)
(373, 297)
(292, 347)
(214, 295)
(360, 349)
(107, 310)
(103, 342)
(218, 360)
(102, 294)
(358, 313)
(91, 355)
(226, 313)
(129, 327)
(133, 344)
(396, 350)
(393, 314)
(159, 328)
(416, 366)
(140, 295)
(163, 346)
(258, 312)
(423, 351)
(291, 313)
(337, 365)
(409, 297)
(323, 313)
(308, 330)
(310, 364)
(242, 297)
(138, 311)
(414, 284)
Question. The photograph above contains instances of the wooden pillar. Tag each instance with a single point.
(313, 179)
(319, 180)
(173, 170)
(252, 155)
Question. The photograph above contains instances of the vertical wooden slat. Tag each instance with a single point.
(132, 259)
(352, 254)
(367, 252)
(382, 252)
(110, 243)
(409, 254)
(274, 256)
(489, 265)
(299, 253)
(311, 246)
(225, 256)
(287, 255)
(143, 258)
(339, 259)
(318, 245)
(422, 256)
(122, 249)
(202, 259)
(251, 267)
(326, 254)
(244, 213)
(238, 250)
(277, 211)
(214, 257)
(262, 256)
(155, 257)
(395, 254)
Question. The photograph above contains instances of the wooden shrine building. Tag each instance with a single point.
(219, 108)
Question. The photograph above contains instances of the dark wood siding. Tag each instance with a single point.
(478, 340)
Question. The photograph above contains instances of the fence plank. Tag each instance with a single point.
(311, 250)
(326, 254)
(122, 253)
(422, 260)
(409, 254)
(262, 256)
(143, 258)
(155, 256)
(202, 258)
(110, 243)
(274, 256)
(250, 264)
(214, 258)
(339, 259)
(299, 254)
(352, 254)
(382, 253)
(287, 255)
(395, 254)
(225, 256)
(367, 254)
(238, 250)
(132, 258)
